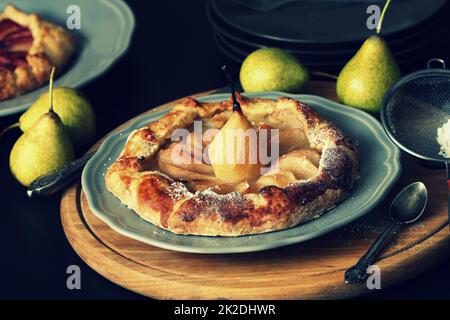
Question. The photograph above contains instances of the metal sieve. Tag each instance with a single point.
(414, 108)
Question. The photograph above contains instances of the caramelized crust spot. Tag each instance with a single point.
(126, 181)
(153, 193)
(129, 163)
(147, 135)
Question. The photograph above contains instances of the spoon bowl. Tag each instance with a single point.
(409, 205)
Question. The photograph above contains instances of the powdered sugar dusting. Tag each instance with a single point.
(177, 190)
(214, 198)
(443, 138)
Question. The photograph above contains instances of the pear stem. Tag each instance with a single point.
(50, 89)
(380, 22)
(236, 105)
(2, 133)
(324, 74)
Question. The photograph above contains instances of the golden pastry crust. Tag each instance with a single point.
(169, 204)
(51, 46)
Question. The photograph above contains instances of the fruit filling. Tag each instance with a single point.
(15, 41)
(186, 161)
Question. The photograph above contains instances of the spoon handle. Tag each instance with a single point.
(52, 182)
(358, 272)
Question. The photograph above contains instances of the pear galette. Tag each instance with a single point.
(29, 48)
(315, 169)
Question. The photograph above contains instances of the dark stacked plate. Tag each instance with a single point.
(324, 34)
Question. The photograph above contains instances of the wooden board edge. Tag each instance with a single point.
(92, 250)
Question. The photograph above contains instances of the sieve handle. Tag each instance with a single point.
(436, 60)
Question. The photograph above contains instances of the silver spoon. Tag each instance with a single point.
(407, 207)
(55, 181)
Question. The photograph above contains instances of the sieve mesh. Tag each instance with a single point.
(415, 108)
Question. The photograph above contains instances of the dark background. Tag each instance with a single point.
(172, 55)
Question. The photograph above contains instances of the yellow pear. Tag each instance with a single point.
(272, 69)
(233, 153)
(365, 79)
(43, 148)
(72, 107)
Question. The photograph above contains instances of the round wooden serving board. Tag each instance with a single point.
(313, 269)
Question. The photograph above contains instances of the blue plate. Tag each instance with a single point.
(379, 169)
(105, 34)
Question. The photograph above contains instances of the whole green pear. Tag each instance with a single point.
(43, 148)
(364, 80)
(272, 69)
(74, 110)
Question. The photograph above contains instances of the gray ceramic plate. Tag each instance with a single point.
(105, 34)
(379, 169)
